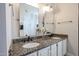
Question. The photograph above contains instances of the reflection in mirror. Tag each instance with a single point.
(28, 20)
(32, 20)
(46, 17)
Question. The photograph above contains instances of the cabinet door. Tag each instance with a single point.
(44, 52)
(53, 50)
(32, 54)
(60, 48)
(64, 47)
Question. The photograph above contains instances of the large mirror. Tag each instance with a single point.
(32, 20)
(28, 20)
(36, 20)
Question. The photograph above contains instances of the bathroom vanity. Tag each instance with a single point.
(55, 45)
(52, 50)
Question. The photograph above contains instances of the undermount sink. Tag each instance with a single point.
(56, 38)
(31, 45)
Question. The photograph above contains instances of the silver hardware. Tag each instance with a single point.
(65, 22)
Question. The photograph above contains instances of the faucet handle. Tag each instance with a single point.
(29, 38)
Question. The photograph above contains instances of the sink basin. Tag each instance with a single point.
(31, 45)
(56, 38)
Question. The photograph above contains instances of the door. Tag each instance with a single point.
(60, 48)
(53, 50)
(44, 52)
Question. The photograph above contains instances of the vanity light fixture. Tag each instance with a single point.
(47, 9)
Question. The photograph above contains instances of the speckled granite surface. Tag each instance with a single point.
(17, 49)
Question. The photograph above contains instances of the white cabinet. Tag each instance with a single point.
(64, 47)
(44, 52)
(59, 48)
(32, 54)
(53, 50)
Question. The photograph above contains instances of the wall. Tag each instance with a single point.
(3, 46)
(12, 23)
(15, 20)
(5, 28)
(8, 26)
(68, 12)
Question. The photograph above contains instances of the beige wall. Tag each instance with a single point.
(8, 26)
(68, 12)
(12, 26)
(14, 20)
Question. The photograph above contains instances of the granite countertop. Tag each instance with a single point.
(17, 49)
